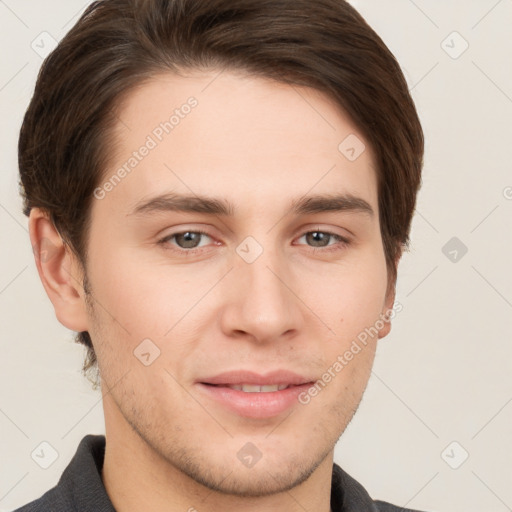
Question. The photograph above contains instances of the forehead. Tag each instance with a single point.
(239, 136)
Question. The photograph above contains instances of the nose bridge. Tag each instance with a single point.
(264, 278)
(262, 303)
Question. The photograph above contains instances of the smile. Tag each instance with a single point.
(251, 388)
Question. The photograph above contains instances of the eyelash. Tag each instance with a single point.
(342, 242)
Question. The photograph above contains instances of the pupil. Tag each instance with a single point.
(317, 236)
(188, 239)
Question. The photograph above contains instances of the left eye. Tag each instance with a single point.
(321, 238)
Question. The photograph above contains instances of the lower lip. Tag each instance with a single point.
(255, 405)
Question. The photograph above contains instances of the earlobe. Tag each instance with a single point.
(59, 271)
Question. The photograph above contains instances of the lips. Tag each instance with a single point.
(250, 388)
(249, 377)
(255, 395)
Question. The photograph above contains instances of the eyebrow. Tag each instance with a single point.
(213, 206)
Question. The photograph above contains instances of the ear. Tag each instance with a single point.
(388, 304)
(59, 271)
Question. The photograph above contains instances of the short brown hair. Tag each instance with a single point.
(67, 133)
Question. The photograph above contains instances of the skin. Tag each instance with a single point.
(298, 306)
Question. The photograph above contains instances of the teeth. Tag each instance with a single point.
(250, 388)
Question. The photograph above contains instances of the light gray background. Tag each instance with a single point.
(444, 372)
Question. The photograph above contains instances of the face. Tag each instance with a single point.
(202, 310)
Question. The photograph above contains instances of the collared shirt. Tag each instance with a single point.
(81, 489)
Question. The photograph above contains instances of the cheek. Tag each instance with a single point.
(146, 300)
(137, 301)
(349, 298)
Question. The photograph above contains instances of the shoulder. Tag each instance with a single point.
(80, 486)
(383, 506)
(348, 495)
(51, 500)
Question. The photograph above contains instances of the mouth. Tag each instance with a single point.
(253, 395)
(251, 388)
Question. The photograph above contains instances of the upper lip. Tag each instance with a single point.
(248, 377)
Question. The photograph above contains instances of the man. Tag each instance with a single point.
(219, 193)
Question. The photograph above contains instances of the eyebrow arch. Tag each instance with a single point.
(213, 206)
(331, 203)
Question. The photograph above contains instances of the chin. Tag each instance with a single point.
(252, 483)
(275, 474)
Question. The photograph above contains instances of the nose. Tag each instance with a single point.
(261, 302)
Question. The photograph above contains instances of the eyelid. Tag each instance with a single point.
(165, 239)
(342, 241)
(342, 234)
